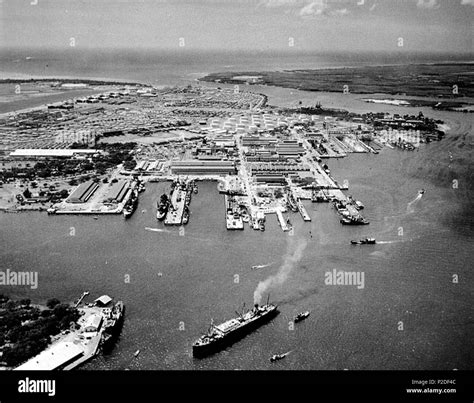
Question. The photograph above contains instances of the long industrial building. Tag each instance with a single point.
(83, 192)
(117, 192)
(54, 358)
(203, 167)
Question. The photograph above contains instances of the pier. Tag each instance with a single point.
(283, 224)
(303, 211)
(176, 210)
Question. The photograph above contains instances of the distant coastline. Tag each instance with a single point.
(441, 80)
(68, 80)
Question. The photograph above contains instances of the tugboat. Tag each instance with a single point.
(278, 357)
(162, 207)
(366, 241)
(301, 316)
(185, 215)
(220, 336)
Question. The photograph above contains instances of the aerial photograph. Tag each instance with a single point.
(270, 186)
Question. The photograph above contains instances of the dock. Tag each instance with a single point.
(90, 349)
(283, 224)
(174, 216)
(233, 219)
(303, 211)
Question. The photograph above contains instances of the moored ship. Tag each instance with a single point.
(162, 207)
(131, 204)
(220, 336)
(112, 324)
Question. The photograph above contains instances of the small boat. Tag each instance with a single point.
(301, 316)
(278, 357)
(366, 241)
(96, 218)
(421, 191)
(135, 354)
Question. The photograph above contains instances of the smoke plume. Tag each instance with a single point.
(293, 255)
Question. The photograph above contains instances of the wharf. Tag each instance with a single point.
(303, 211)
(283, 224)
(90, 350)
(233, 219)
(176, 210)
(234, 223)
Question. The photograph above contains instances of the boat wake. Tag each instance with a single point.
(410, 206)
(156, 229)
(262, 266)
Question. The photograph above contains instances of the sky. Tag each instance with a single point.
(275, 25)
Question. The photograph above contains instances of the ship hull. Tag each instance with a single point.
(111, 334)
(204, 350)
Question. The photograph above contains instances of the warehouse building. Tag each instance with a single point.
(117, 192)
(83, 192)
(203, 167)
(54, 358)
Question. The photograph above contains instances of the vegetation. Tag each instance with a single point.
(114, 154)
(438, 80)
(25, 331)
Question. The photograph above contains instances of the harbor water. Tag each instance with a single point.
(409, 315)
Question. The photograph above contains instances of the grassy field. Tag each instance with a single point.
(423, 80)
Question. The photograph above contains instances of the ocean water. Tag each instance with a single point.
(183, 66)
(179, 283)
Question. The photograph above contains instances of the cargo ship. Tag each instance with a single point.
(112, 324)
(221, 336)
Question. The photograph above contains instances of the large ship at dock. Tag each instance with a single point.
(113, 319)
(162, 207)
(220, 336)
(131, 204)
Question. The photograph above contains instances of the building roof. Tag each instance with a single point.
(93, 321)
(38, 152)
(104, 300)
(52, 358)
